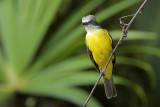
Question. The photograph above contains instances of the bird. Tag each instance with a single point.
(99, 44)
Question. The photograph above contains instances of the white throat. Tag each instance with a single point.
(91, 28)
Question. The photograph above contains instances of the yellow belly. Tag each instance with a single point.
(100, 44)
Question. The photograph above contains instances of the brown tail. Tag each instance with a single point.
(110, 88)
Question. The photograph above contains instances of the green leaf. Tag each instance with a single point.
(2, 69)
(140, 49)
(74, 95)
(49, 55)
(5, 93)
(38, 26)
(134, 86)
(112, 10)
(8, 29)
(135, 35)
(69, 79)
(67, 66)
(79, 79)
(140, 64)
(23, 32)
(74, 47)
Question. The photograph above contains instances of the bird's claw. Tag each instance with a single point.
(102, 73)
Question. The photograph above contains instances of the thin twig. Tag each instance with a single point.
(125, 28)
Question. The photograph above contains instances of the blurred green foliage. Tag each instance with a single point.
(42, 53)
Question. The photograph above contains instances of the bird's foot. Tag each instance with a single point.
(102, 73)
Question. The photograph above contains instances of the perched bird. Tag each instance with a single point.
(99, 45)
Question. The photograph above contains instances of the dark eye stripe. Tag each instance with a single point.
(93, 22)
(85, 23)
(90, 23)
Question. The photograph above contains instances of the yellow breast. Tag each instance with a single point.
(100, 45)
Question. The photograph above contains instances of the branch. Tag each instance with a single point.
(125, 28)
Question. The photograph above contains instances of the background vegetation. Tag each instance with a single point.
(43, 60)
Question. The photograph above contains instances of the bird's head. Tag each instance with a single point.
(90, 23)
(89, 20)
